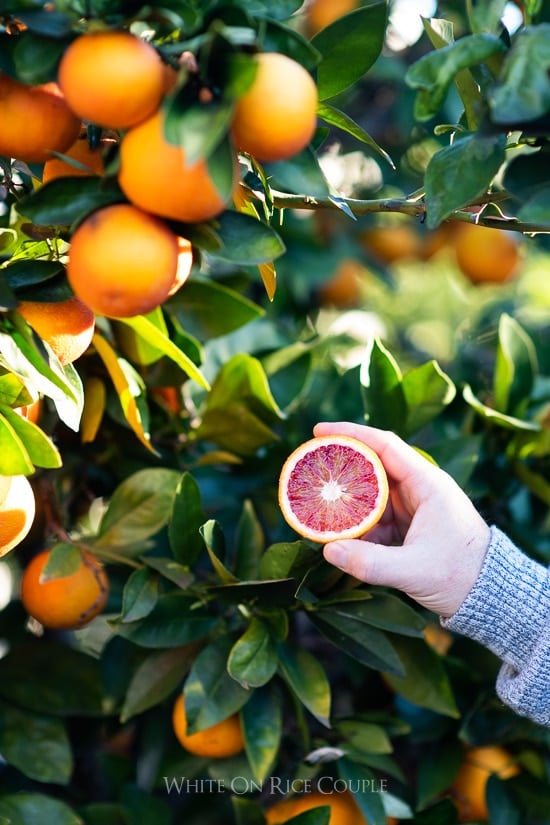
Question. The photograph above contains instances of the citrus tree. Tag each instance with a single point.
(221, 222)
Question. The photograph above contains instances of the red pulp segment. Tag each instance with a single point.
(332, 488)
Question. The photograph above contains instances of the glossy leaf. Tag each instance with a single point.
(349, 47)
(426, 682)
(508, 422)
(186, 518)
(262, 721)
(213, 537)
(523, 91)
(245, 240)
(139, 596)
(139, 507)
(40, 449)
(381, 388)
(156, 678)
(342, 121)
(173, 622)
(14, 458)
(370, 801)
(284, 559)
(249, 543)
(26, 808)
(460, 173)
(427, 391)
(253, 659)
(515, 367)
(299, 174)
(36, 745)
(208, 310)
(307, 679)
(69, 200)
(211, 695)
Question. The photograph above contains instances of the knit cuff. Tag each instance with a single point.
(508, 607)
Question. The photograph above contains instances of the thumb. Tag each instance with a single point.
(367, 561)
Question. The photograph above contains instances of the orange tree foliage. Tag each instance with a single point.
(158, 450)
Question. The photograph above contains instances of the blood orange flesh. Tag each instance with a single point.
(332, 487)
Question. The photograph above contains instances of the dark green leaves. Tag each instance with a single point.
(522, 93)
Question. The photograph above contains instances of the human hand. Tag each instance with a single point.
(430, 542)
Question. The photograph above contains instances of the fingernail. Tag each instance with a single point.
(336, 554)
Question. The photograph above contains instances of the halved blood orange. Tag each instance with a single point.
(332, 487)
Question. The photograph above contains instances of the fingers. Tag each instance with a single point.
(400, 460)
(366, 561)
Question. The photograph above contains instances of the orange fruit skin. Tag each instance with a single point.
(185, 263)
(276, 117)
(355, 530)
(31, 412)
(112, 78)
(122, 261)
(17, 511)
(36, 120)
(469, 786)
(344, 810)
(486, 255)
(218, 741)
(81, 152)
(155, 176)
(392, 243)
(67, 326)
(68, 602)
(343, 289)
(321, 13)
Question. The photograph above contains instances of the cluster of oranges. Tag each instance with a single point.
(125, 259)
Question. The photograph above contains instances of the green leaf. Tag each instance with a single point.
(36, 745)
(195, 126)
(28, 273)
(24, 808)
(307, 679)
(385, 611)
(14, 458)
(437, 770)
(276, 593)
(365, 736)
(349, 47)
(208, 310)
(171, 570)
(249, 543)
(186, 519)
(211, 695)
(426, 682)
(13, 392)
(40, 449)
(370, 802)
(139, 596)
(433, 73)
(288, 558)
(262, 721)
(156, 678)
(154, 336)
(460, 173)
(253, 659)
(67, 201)
(523, 90)
(245, 240)
(342, 121)
(381, 388)
(213, 537)
(345, 628)
(492, 416)
(427, 391)
(536, 209)
(139, 507)
(64, 560)
(300, 174)
(174, 621)
(515, 367)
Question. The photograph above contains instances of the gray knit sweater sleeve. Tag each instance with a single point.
(508, 611)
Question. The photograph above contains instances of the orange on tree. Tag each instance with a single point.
(122, 261)
(17, 511)
(469, 787)
(486, 255)
(155, 176)
(36, 121)
(185, 263)
(32, 411)
(392, 242)
(332, 487)
(343, 289)
(320, 13)
(344, 810)
(223, 739)
(277, 115)
(67, 326)
(112, 78)
(82, 153)
(67, 602)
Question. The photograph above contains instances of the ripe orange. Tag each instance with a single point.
(67, 602)
(332, 487)
(276, 117)
(468, 789)
(32, 411)
(80, 151)
(17, 511)
(67, 326)
(185, 263)
(320, 13)
(343, 289)
(344, 810)
(486, 255)
(219, 741)
(36, 120)
(112, 78)
(155, 176)
(122, 261)
(392, 242)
